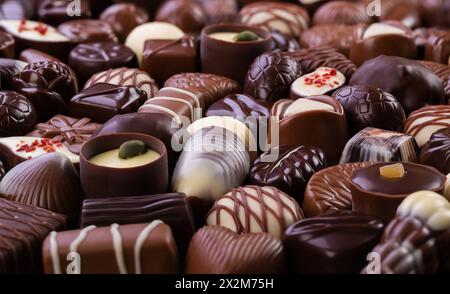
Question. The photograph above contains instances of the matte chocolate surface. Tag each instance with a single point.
(17, 115)
(332, 244)
(56, 12)
(329, 190)
(257, 253)
(436, 151)
(188, 15)
(367, 106)
(147, 248)
(70, 131)
(172, 209)
(87, 31)
(290, 172)
(341, 12)
(271, 75)
(91, 58)
(410, 82)
(24, 228)
(339, 37)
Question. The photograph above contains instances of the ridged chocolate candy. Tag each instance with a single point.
(436, 152)
(339, 37)
(290, 172)
(17, 115)
(271, 75)
(341, 12)
(218, 250)
(367, 106)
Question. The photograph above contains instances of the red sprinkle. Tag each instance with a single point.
(322, 80)
(45, 144)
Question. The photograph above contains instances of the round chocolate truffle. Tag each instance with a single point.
(188, 15)
(87, 30)
(123, 18)
(48, 85)
(290, 172)
(341, 12)
(17, 115)
(409, 81)
(89, 59)
(436, 152)
(271, 75)
(367, 106)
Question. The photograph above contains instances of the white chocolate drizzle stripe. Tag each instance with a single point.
(140, 242)
(118, 249)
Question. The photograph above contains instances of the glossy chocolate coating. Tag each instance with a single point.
(339, 37)
(436, 152)
(17, 115)
(24, 229)
(374, 195)
(232, 59)
(284, 42)
(433, 44)
(410, 82)
(367, 106)
(33, 56)
(332, 244)
(443, 72)
(407, 12)
(163, 59)
(144, 249)
(87, 31)
(149, 5)
(219, 11)
(106, 182)
(270, 76)
(436, 12)
(7, 45)
(154, 124)
(49, 181)
(328, 191)
(124, 17)
(70, 131)
(326, 130)
(290, 172)
(173, 209)
(392, 44)
(372, 144)
(56, 12)
(48, 85)
(208, 87)
(2, 170)
(8, 69)
(313, 58)
(341, 12)
(258, 253)
(91, 58)
(188, 15)
(102, 101)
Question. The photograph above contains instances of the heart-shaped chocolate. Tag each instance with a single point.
(218, 250)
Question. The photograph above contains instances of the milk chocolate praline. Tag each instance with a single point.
(188, 15)
(105, 182)
(436, 152)
(87, 30)
(375, 195)
(230, 59)
(341, 12)
(8, 69)
(17, 115)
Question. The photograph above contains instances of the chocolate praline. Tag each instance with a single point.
(433, 44)
(284, 42)
(436, 12)
(443, 72)
(339, 37)
(219, 11)
(33, 56)
(7, 45)
(17, 115)
(91, 58)
(87, 31)
(436, 152)
(341, 12)
(291, 170)
(409, 81)
(372, 194)
(270, 76)
(367, 106)
(124, 17)
(56, 12)
(188, 15)
(8, 69)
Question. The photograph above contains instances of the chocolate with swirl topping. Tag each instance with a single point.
(70, 131)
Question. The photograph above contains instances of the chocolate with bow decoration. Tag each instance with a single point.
(70, 131)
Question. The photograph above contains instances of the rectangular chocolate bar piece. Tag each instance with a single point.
(23, 228)
(165, 58)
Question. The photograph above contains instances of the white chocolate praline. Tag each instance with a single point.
(305, 105)
(13, 144)
(319, 82)
(51, 34)
(235, 208)
(111, 159)
(381, 29)
(151, 31)
(431, 208)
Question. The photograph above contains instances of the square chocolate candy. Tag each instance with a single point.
(379, 145)
(165, 58)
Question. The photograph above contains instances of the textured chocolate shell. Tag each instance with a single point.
(218, 250)
(339, 37)
(436, 152)
(188, 15)
(291, 171)
(254, 209)
(271, 75)
(22, 232)
(329, 190)
(367, 106)
(341, 12)
(17, 115)
(48, 181)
